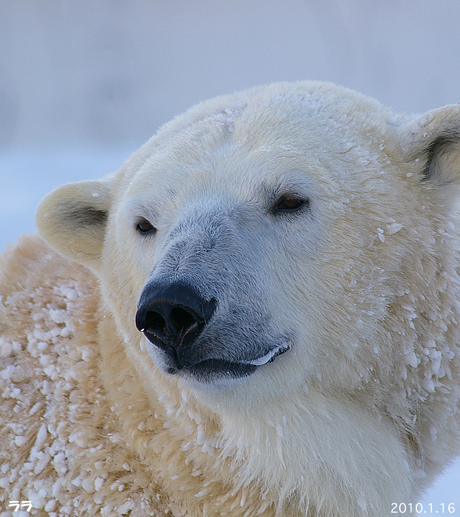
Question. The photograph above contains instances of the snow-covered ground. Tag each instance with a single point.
(83, 84)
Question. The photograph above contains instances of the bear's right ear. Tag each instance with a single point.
(73, 218)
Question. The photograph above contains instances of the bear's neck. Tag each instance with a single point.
(240, 456)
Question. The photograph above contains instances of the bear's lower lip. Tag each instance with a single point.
(215, 369)
(218, 369)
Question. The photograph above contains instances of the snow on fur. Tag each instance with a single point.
(347, 310)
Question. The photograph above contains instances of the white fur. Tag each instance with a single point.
(362, 288)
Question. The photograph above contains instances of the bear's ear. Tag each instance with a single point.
(73, 218)
(434, 139)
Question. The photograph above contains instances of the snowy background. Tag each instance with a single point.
(84, 83)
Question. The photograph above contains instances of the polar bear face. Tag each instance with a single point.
(263, 239)
(213, 306)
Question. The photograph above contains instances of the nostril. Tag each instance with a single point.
(154, 321)
(182, 319)
(176, 320)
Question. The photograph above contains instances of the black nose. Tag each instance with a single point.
(172, 315)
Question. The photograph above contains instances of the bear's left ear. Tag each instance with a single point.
(73, 219)
(434, 139)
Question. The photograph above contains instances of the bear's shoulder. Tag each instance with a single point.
(44, 299)
(60, 435)
(33, 275)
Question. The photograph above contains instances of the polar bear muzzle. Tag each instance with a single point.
(172, 316)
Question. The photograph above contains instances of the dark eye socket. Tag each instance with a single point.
(144, 227)
(289, 203)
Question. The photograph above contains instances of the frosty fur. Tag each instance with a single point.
(359, 413)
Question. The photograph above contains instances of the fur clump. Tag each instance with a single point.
(61, 444)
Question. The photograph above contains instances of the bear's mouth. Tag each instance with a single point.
(214, 369)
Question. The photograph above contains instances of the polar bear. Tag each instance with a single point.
(258, 314)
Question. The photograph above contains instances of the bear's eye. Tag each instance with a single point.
(289, 203)
(144, 227)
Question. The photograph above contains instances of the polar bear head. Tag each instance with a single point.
(273, 239)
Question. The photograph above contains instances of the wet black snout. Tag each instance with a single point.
(172, 316)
